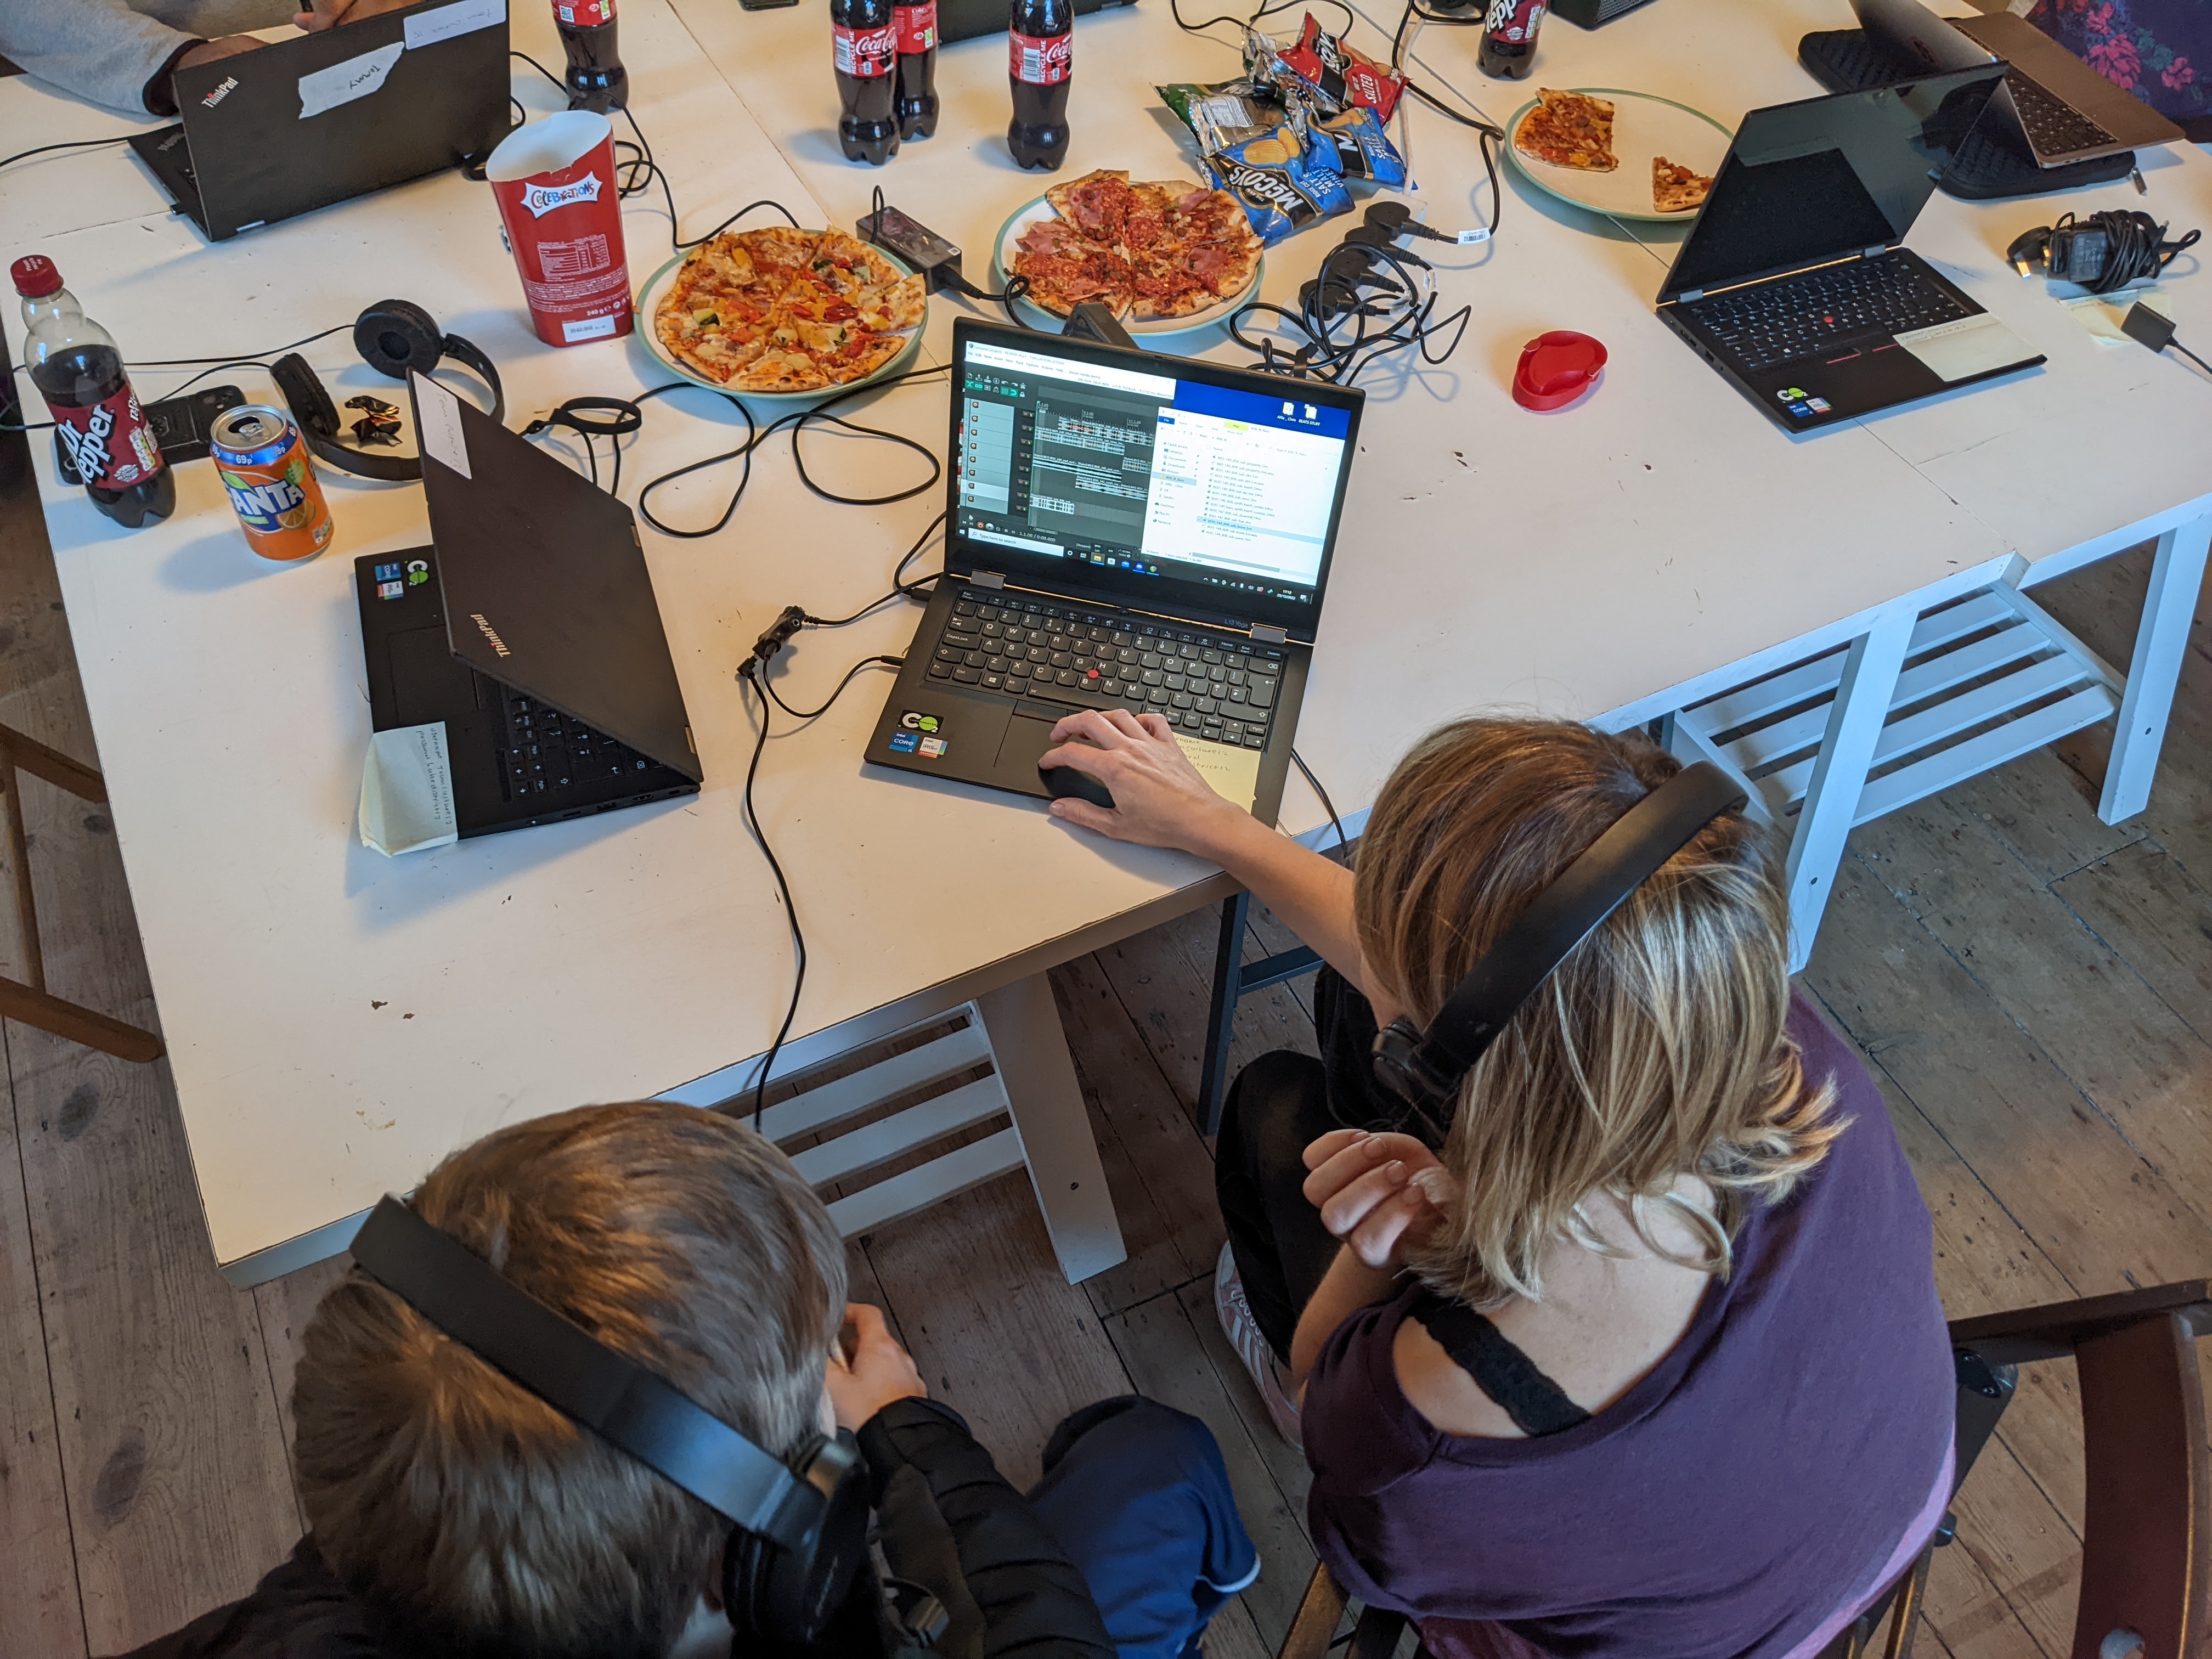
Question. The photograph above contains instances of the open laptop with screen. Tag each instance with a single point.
(1794, 281)
(318, 118)
(2156, 49)
(2065, 110)
(528, 628)
(1124, 530)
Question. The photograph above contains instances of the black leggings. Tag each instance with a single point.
(1279, 1104)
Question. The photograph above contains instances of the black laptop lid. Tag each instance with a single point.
(1184, 488)
(323, 118)
(1828, 178)
(544, 583)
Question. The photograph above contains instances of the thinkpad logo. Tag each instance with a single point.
(220, 93)
(485, 628)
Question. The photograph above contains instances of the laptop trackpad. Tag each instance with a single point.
(1025, 741)
(426, 684)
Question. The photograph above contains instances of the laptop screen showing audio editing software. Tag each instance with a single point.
(1158, 479)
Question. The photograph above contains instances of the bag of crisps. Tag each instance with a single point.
(1283, 183)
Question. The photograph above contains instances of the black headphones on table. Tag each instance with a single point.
(394, 337)
(1425, 1068)
(799, 1532)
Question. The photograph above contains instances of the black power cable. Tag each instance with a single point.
(1365, 284)
(1327, 804)
(78, 143)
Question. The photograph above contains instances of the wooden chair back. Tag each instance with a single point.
(29, 1000)
(2147, 1533)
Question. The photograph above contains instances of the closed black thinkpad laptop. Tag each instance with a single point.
(323, 118)
(529, 628)
(1124, 530)
(1793, 283)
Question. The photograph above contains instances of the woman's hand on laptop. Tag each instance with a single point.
(1159, 798)
(329, 14)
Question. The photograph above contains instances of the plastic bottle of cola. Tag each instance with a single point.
(864, 40)
(1509, 37)
(1040, 49)
(916, 27)
(76, 366)
(597, 80)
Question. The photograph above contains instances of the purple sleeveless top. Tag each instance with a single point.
(1725, 1507)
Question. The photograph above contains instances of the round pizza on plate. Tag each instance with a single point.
(783, 310)
(1143, 250)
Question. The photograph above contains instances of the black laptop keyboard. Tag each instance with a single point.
(1795, 317)
(1215, 685)
(544, 752)
(2052, 127)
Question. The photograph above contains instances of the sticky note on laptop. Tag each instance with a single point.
(407, 791)
(1234, 772)
(1970, 346)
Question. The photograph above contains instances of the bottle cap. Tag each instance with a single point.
(35, 275)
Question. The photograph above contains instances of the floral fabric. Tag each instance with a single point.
(2158, 50)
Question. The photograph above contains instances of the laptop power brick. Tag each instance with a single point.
(922, 248)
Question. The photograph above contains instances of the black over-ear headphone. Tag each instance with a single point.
(799, 1532)
(393, 337)
(1426, 1068)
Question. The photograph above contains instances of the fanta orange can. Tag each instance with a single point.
(264, 465)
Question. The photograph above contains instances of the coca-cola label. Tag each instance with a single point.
(542, 199)
(866, 52)
(584, 13)
(109, 442)
(916, 26)
(1041, 61)
(1514, 20)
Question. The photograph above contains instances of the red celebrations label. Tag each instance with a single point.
(916, 26)
(1040, 62)
(586, 13)
(865, 53)
(109, 442)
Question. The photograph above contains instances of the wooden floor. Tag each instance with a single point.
(2033, 989)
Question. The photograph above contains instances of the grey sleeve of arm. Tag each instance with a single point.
(99, 49)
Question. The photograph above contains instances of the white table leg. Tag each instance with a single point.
(1832, 799)
(2161, 639)
(1046, 1103)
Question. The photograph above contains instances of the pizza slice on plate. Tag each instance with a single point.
(1569, 129)
(780, 253)
(1065, 269)
(1676, 189)
(1097, 204)
(780, 369)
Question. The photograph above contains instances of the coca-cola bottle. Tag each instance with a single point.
(78, 371)
(597, 80)
(1509, 37)
(865, 42)
(916, 26)
(1040, 46)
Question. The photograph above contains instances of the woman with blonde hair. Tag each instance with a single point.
(1630, 1343)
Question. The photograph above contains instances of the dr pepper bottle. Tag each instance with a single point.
(863, 42)
(1040, 53)
(74, 364)
(1509, 37)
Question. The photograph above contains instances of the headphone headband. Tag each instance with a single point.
(1426, 1067)
(563, 1364)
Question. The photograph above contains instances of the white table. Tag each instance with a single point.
(1621, 561)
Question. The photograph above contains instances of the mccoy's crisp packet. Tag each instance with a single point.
(1344, 76)
(1282, 183)
(1361, 149)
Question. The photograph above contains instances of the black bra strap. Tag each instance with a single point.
(1537, 1404)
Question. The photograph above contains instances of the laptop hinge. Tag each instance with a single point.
(1688, 295)
(1268, 634)
(987, 578)
(1876, 251)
